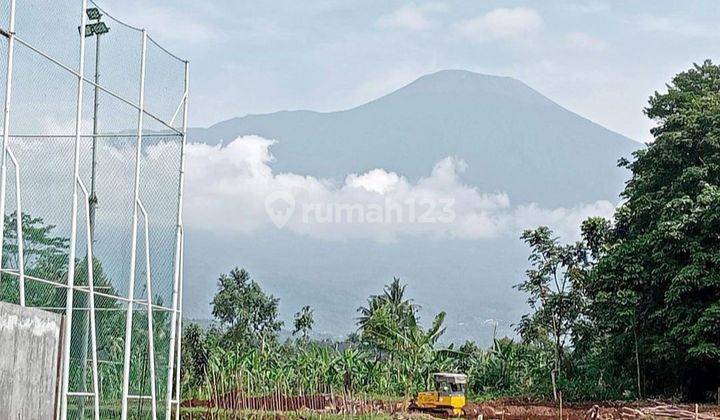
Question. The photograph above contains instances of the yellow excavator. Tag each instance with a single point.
(447, 400)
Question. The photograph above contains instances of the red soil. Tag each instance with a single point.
(505, 409)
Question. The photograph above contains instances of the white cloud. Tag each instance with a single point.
(585, 42)
(376, 180)
(410, 16)
(227, 190)
(565, 221)
(587, 7)
(501, 23)
(168, 24)
(676, 25)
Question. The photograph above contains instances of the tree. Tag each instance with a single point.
(655, 290)
(389, 310)
(45, 255)
(390, 324)
(246, 314)
(554, 288)
(41, 248)
(195, 354)
(303, 322)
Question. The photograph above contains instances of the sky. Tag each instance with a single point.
(599, 58)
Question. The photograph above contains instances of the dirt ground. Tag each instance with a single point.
(336, 406)
(518, 410)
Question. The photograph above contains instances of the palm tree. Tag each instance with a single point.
(387, 310)
(389, 323)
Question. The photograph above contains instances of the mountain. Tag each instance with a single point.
(513, 139)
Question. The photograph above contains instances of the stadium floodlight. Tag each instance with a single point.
(96, 29)
(93, 13)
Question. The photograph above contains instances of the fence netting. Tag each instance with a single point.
(124, 185)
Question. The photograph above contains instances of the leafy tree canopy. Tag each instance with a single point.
(246, 314)
(659, 272)
(303, 322)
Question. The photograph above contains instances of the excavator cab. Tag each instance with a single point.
(448, 398)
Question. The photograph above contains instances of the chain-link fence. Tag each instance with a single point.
(93, 131)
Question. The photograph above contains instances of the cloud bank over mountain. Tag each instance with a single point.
(233, 188)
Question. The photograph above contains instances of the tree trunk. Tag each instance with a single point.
(408, 384)
(556, 370)
(637, 361)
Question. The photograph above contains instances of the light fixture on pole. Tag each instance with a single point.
(96, 29)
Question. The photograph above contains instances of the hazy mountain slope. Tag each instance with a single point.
(513, 139)
(471, 280)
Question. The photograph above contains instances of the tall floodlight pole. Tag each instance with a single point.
(98, 28)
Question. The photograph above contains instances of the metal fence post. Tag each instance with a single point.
(91, 299)
(179, 325)
(150, 324)
(177, 274)
(6, 127)
(73, 225)
(18, 227)
(133, 249)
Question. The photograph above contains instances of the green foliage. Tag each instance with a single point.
(303, 322)
(46, 256)
(195, 355)
(553, 285)
(391, 355)
(390, 327)
(560, 337)
(509, 369)
(656, 288)
(387, 316)
(41, 249)
(244, 312)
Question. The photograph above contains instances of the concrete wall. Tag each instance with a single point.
(29, 349)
